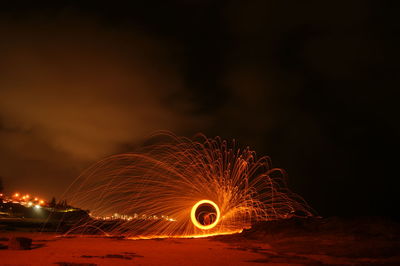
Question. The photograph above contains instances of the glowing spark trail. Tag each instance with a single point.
(178, 187)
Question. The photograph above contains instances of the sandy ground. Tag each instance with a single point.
(295, 242)
(50, 250)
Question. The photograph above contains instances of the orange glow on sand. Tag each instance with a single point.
(187, 236)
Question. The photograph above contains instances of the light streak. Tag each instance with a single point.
(195, 219)
(156, 190)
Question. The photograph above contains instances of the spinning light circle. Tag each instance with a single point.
(208, 217)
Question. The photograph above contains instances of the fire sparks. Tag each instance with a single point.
(207, 186)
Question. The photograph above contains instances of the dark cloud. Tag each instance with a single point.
(73, 92)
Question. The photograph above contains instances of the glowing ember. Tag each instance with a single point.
(184, 188)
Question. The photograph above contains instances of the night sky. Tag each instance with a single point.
(311, 84)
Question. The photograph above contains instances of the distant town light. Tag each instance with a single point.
(37, 207)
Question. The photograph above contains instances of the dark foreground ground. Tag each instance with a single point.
(331, 241)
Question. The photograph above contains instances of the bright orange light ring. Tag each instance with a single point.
(193, 215)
